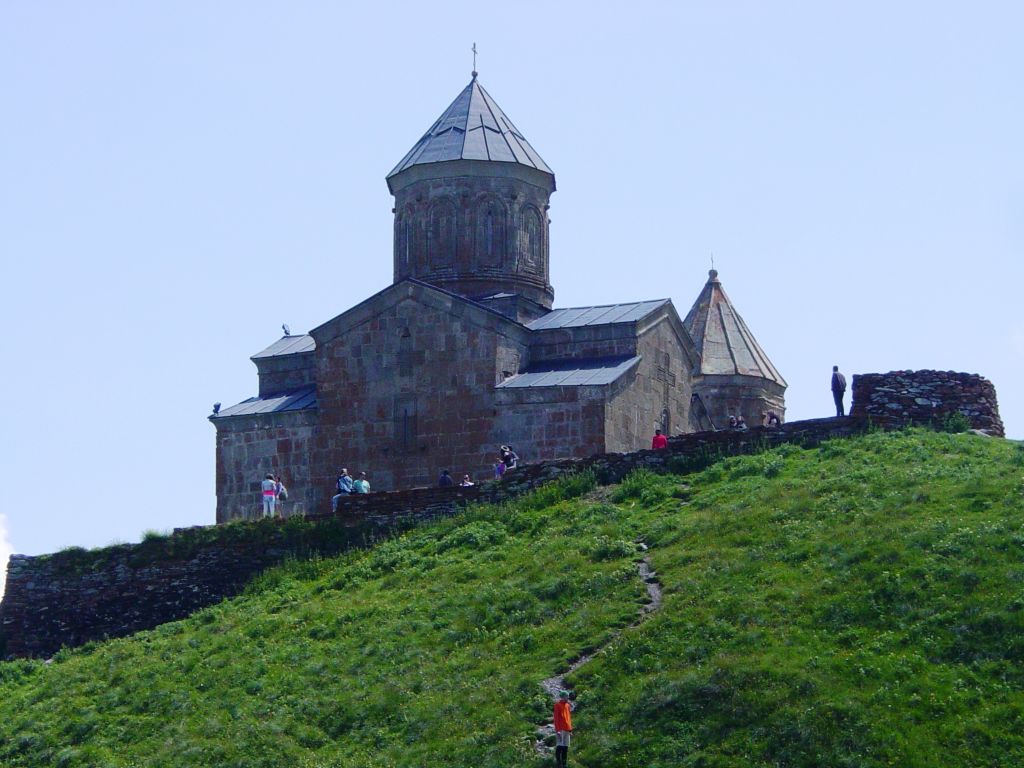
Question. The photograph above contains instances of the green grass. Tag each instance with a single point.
(858, 604)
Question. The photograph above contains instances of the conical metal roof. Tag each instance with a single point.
(725, 344)
(472, 128)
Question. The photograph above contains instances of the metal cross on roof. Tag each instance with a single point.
(474, 59)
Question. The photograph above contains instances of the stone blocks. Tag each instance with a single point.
(928, 397)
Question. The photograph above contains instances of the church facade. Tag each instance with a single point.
(464, 352)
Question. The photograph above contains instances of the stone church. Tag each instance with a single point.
(465, 352)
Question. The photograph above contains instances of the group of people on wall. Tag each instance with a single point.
(506, 459)
(346, 485)
(274, 491)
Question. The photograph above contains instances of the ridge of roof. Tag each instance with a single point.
(575, 372)
(298, 399)
(724, 342)
(599, 314)
(473, 127)
(287, 345)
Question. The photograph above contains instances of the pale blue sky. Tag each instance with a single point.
(178, 179)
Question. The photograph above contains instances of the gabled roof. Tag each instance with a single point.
(725, 344)
(297, 400)
(472, 128)
(606, 314)
(288, 345)
(431, 295)
(572, 373)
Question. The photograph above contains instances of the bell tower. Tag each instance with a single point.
(471, 206)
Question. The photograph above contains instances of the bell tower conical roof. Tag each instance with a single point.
(724, 342)
(473, 127)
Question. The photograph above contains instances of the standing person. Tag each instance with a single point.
(282, 494)
(499, 468)
(563, 728)
(659, 441)
(362, 485)
(838, 389)
(344, 486)
(445, 480)
(269, 486)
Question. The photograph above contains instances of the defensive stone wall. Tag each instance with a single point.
(72, 597)
(928, 397)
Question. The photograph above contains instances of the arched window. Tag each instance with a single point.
(490, 232)
(441, 245)
(530, 242)
(404, 242)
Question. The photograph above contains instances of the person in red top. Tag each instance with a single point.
(563, 728)
(659, 441)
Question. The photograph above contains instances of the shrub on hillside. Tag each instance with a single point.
(641, 484)
(480, 534)
(569, 486)
(608, 548)
(956, 422)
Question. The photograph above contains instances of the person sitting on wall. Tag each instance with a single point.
(732, 422)
(345, 486)
(466, 481)
(659, 441)
(445, 480)
(771, 419)
(741, 424)
(362, 485)
(509, 457)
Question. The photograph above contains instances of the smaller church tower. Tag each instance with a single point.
(736, 378)
(471, 208)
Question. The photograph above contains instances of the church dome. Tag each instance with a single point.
(473, 127)
(471, 207)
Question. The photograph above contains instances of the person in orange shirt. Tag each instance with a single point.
(563, 728)
(659, 442)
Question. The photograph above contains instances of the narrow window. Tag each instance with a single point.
(489, 233)
(405, 422)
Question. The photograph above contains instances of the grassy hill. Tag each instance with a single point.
(858, 604)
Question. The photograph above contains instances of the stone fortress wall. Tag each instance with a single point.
(76, 596)
(928, 396)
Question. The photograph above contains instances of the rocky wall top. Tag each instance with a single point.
(923, 397)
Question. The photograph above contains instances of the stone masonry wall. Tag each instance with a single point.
(474, 235)
(278, 443)
(548, 421)
(924, 397)
(73, 597)
(660, 397)
(408, 393)
(285, 372)
(745, 396)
